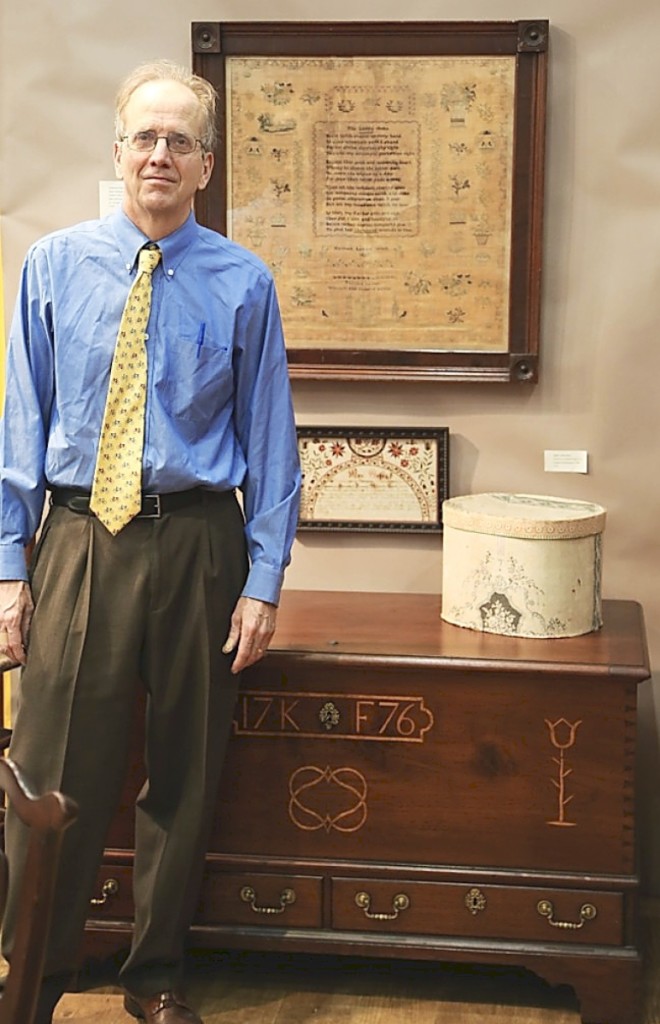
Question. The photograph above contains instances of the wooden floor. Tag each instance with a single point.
(261, 989)
(273, 989)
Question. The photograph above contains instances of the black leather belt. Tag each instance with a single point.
(153, 505)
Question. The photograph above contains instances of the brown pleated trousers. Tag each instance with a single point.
(151, 608)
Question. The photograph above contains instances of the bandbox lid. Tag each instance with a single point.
(530, 516)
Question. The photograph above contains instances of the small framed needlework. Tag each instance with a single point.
(381, 480)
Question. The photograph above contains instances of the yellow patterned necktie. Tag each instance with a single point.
(117, 490)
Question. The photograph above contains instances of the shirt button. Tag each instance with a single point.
(170, 273)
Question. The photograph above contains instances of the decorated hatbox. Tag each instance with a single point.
(522, 564)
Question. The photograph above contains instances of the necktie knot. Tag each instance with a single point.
(148, 260)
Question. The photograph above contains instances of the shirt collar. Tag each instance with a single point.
(173, 247)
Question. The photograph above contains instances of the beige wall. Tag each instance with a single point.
(60, 61)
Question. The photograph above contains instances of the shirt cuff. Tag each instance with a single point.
(263, 583)
(12, 562)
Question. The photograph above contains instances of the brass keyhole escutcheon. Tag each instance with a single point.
(329, 715)
(475, 901)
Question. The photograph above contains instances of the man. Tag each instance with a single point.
(180, 597)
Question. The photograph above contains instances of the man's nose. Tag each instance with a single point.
(161, 150)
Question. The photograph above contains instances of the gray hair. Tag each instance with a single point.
(165, 70)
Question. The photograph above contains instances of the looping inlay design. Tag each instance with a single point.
(328, 798)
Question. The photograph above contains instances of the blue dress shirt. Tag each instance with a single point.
(219, 412)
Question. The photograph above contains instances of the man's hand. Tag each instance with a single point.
(16, 609)
(252, 628)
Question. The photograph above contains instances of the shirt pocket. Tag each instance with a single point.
(197, 378)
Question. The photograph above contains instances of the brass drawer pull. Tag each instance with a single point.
(287, 896)
(587, 913)
(109, 888)
(399, 903)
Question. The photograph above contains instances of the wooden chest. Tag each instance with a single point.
(398, 786)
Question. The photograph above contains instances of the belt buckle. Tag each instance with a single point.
(79, 503)
(150, 506)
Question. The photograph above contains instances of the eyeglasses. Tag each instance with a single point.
(146, 141)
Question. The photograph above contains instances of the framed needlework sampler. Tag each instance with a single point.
(380, 480)
(391, 176)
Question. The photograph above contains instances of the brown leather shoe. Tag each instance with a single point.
(162, 1008)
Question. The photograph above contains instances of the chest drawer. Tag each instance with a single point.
(489, 911)
(252, 898)
(227, 898)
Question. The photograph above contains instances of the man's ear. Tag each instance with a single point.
(116, 156)
(208, 160)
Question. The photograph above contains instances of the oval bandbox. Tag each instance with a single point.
(522, 564)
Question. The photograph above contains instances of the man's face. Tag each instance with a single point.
(160, 185)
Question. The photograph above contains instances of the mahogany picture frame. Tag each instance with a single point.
(516, 51)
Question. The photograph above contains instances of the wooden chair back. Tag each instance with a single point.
(46, 817)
